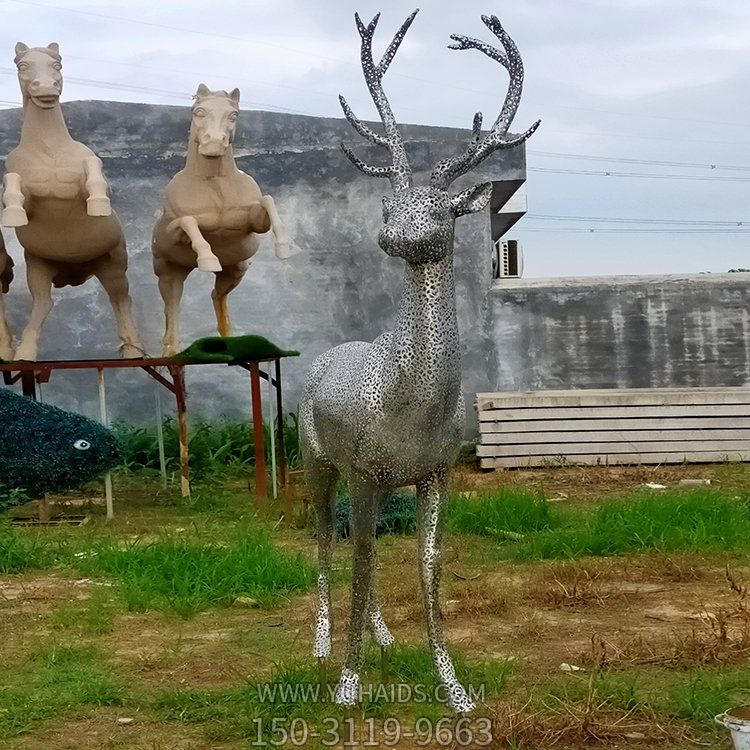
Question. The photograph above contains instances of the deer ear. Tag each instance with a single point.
(202, 90)
(472, 200)
(234, 95)
(21, 48)
(54, 47)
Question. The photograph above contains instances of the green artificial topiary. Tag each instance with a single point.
(397, 514)
(233, 349)
(44, 449)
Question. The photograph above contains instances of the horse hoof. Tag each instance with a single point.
(26, 353)
(14, 216)
(98, 207)
(132, 351)
(210, 265)
(283, 250)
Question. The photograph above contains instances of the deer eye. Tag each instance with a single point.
(82, 445)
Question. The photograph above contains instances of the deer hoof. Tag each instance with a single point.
(347, 691)
(14, 216)
(209, 264)
(98, 207)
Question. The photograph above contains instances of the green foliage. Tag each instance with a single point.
(187, 576)
(214, 447)
(25, 551)
(697, 520)
(58, 679)
(498, 511)
(397, 514)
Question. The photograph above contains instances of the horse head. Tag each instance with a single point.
(39, 74)
(214, 118)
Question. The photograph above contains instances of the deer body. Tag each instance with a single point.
(390, 413)
(213, 214)
(56, 196)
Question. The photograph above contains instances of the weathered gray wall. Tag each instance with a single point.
(340, 287)
(621, 332)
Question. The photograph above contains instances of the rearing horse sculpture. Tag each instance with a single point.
(212, 216)
(6, 276)
(390, 413)
(56, 197)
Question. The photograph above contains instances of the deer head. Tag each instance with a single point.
(39, 74)
(215, 116)
(418, 222)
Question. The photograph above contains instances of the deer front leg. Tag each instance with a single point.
(429, 502)
(281, 239)
(363, 516)
(207, 261)
(14, 214)
(39, 275)
(97, 202)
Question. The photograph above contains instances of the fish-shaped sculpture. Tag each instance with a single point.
(45, 449)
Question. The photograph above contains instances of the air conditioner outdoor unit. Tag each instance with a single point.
(507, 259)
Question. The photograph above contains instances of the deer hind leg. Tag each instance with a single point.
(171, 282)
(39, 275)
(6, 338)
(14, 214)
(364, 510)
(321, 479)
(207, 261)
(226, 281)
(429, 501)
(111, 272)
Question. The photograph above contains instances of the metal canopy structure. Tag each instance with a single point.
(170, 373)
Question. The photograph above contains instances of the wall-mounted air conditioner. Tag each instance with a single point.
(507, 259)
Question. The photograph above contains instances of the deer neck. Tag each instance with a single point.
(44, 129)
(206, 167)
(425, 351)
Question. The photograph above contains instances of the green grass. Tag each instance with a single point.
(492, 513)
(25, 551)
(59, 679)
(187, 575)
(670, 521)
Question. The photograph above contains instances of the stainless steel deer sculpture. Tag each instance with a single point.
(390, 413)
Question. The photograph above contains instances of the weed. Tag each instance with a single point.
(186, 576)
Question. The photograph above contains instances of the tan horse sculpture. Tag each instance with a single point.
(213, 214)
(6, 276)
(56, 197)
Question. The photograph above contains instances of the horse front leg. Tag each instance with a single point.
(280, 236)
(207, 261)
(39, 275)
(97, 189)
(111, 272)
(14, 214)
(171, 282)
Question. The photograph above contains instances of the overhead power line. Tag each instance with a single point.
(642, 175)
(623, 220)
(650, 162)
(631, 230)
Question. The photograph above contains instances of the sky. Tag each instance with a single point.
(617, 85)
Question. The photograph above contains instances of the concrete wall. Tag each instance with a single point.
(621, 332)
(340, 286)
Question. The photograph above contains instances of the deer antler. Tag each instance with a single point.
(480, 148)
(399, 172)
